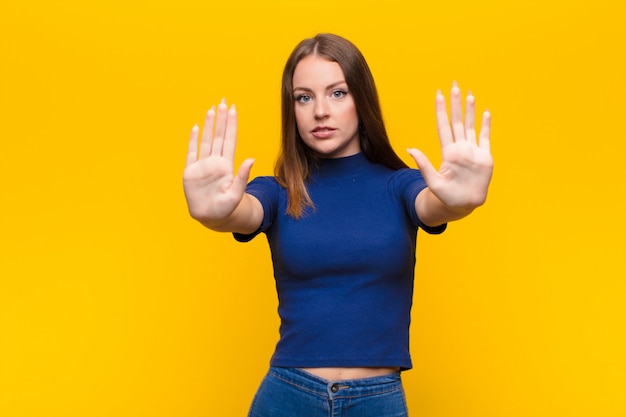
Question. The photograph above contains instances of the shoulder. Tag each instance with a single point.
(266, 180)
(407, 178)
(264, 184)
(268, 191)
(407, 174)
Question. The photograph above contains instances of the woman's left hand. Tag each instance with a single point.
(465, 172)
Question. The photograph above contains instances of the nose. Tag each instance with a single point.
(321, 109)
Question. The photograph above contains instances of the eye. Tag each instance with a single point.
(339, 94)
(303, 98)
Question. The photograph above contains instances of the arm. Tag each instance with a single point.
(461, 183)
(215, 195)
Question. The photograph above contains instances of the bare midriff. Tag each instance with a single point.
(342, 374)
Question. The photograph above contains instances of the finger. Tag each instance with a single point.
(192, 149)
(230, 136)
(456, 113)
(443, 126)
(207, 133)
(470, 116)
(484, 140)
(220, 128)
(426, 168)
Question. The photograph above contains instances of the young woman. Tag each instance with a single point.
(341, 217)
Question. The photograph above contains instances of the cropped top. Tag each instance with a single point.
(344, 271)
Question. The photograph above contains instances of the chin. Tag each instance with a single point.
(332, 151)
(328, 154)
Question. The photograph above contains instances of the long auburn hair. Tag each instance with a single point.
(295, 160)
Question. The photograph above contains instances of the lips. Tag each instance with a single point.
(323, 132)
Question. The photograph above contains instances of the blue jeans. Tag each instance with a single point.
(291, 392)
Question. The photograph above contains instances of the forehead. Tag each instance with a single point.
(315, 71)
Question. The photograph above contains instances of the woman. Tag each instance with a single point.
(341, 216)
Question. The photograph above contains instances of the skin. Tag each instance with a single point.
(461, 182)
(325, 112)
(216, 194)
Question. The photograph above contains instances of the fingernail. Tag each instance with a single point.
(195, 127)
(455, 88)
(223, 100)
(232, 107)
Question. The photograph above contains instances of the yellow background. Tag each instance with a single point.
(113, 302)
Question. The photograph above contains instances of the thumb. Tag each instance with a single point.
(241, 179)
(426, 168)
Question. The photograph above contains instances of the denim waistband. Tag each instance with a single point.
(338, 389)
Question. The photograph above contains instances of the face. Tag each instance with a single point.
(325, 112)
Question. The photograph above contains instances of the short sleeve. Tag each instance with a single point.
(267, 191)
(410, 183)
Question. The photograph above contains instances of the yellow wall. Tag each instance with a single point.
(113, 302)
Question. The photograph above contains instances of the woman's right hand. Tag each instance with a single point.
(212, 190)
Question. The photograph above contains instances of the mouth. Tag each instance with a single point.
(322, 132)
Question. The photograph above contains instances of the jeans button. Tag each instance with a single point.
(334, 388)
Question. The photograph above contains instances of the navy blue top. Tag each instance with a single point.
(344, 271)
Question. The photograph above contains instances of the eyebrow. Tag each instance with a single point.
(329, 87)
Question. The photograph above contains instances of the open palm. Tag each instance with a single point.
(467, 165)
(212, 189)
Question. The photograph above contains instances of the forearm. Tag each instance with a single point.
(433, 212)
(246, 218)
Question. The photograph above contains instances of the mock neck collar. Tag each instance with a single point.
(338, 167)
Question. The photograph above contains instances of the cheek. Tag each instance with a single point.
(350, 117)
(348, 112)
(300, 120)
